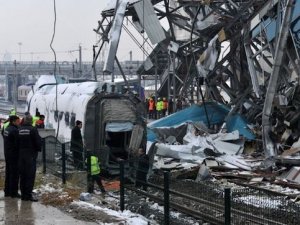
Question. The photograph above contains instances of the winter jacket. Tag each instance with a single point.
(29, 140)
(11, 143)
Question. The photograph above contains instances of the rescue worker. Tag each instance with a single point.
(12, 112)
(151, 108)
(5, 125)
(40, 122)
(35, 118)
(142, 169)
(159, 108)
(29, 146)
(178, 104)
(11, 154)
(95, 174)
(77, 145)
(22, 120)
(165, 107)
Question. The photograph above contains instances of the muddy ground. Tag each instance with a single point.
(64, 197)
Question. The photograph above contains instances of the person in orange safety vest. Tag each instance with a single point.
(151, 108)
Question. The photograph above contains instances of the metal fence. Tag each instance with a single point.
(208, 201)
(212, 202)
(57, 159)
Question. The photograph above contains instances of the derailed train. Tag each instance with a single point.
(114, 124)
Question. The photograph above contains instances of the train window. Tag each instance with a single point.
(60, 115)
(56, 115)
(67, 118)
(73, 119)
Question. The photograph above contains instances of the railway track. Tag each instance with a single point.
(206, 210)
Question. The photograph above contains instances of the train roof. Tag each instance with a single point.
(84, 88)
(48, 80)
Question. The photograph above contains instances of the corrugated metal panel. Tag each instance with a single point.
(149, 21)
(117, 110)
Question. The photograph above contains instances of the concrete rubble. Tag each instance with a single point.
(215, 154)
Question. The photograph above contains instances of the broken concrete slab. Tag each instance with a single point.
(235, 161)
(293, 174)
(256, 180)
(203, 173)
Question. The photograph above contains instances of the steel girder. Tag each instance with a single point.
(232, 46)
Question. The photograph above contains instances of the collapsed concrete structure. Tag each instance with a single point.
(242, 54)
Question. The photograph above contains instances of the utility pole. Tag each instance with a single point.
(130, 63)
(80, 62)
(20, 52)
(14, 94)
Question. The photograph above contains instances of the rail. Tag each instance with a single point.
(207, 201)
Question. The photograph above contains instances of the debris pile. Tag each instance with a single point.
(183, 142)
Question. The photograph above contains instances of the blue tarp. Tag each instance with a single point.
(216, 115)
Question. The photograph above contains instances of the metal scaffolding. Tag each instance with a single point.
(242, 53)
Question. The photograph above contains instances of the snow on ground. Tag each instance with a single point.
(260, 201)
(91, 209)
(129, 217)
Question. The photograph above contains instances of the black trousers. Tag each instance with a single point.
(77, 157)
(97, 178)
(27, 165)
(11, 176)
(141, 180)
(151, 114)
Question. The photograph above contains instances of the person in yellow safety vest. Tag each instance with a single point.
(95, 174)
(5, 125)
(35, 118)
(159, 108)
(12, 112)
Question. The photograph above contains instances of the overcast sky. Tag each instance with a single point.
(27, 28)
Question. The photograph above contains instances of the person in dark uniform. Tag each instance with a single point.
(142, 169)
(11, 153)
(29, 145)
(77, 145)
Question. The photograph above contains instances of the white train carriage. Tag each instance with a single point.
(23, 92)
(113, 124)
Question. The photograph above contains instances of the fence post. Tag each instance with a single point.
(227, 204)
(166, 198)
(122, 192)
(44, 155)
(63, 153)
(89, 173)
